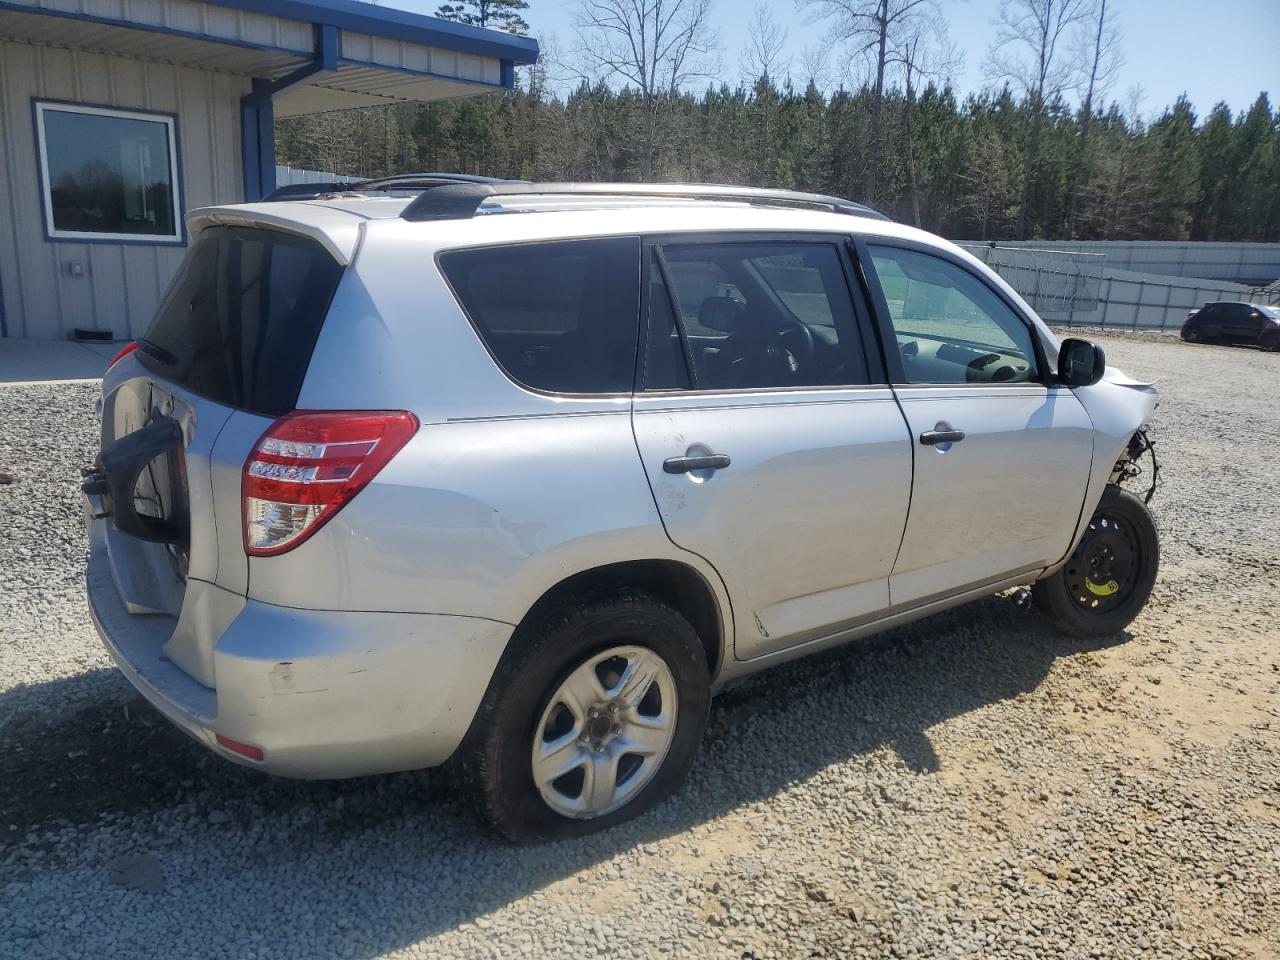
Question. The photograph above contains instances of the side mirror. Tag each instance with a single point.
(1080, 363)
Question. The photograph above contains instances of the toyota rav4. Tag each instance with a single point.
(514, 476)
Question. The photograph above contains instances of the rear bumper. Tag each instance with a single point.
(322, 693)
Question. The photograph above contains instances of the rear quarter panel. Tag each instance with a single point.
(503, 492)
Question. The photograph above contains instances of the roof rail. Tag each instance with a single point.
(460, 201)
(417, 181)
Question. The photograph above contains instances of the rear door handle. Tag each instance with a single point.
(711, 461)
(933, 437)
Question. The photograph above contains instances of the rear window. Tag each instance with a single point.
(561, 316)
(242, 316)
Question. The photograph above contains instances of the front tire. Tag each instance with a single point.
(594, 718)
(1270, 341)
(1108, 578)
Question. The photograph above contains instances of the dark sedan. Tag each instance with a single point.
(1231, 322)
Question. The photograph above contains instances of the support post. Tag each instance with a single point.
(257, 113)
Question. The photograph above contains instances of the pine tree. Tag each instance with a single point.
(494, 14)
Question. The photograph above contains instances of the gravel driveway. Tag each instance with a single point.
(972, 786)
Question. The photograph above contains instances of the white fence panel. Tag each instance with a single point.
(286, 176)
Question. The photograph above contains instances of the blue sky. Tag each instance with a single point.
(1225, 50)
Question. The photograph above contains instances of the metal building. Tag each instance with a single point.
(118, 116)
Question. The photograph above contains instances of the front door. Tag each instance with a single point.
(773, 447)
(1002, 455)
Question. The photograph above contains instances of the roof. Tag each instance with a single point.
(323, 54)
(337, 221)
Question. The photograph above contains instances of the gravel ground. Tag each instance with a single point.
(972, 786)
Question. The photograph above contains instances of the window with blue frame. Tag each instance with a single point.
(108, 174)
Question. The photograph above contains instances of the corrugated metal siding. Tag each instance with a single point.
(189, 16)
(123, 282)
(414, 56)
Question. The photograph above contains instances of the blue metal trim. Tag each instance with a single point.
(328, 45)
(258, 141)
(152, 28)
(508, 80)
(4, 326)
(179, 192)
(257, 113)
(325, 47)
(396, 25)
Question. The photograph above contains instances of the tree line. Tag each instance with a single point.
(1016, 161)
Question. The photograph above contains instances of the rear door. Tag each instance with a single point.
(1002, 454)
(773, 446)
(224, 356)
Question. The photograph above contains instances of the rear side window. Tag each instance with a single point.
(242, 316)
(561, 316)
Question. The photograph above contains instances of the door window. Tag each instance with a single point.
(742, 316)
(950, 326)
(560, 316)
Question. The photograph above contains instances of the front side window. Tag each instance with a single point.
(950, 326)
(751, 316)
(108, 174)
(561, 316)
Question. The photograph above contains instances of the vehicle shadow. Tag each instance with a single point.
(228, 836)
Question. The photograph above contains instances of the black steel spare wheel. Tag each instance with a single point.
(1107, 580)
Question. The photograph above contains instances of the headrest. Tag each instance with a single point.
(723, 313)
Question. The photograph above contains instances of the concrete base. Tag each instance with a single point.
(50, 361)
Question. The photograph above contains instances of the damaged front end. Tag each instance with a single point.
(1130, 465)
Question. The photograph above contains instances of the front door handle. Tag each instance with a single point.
(711, 461)
(933, 437)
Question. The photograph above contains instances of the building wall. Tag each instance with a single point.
(121, 283)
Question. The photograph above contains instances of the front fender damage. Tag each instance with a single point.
(1120, 409)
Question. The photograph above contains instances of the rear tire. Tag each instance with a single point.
(533, 710)
(1191, 335)
(1108, 578)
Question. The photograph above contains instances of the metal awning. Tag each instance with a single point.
(318, 54)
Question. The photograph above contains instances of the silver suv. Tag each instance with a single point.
(514, 476)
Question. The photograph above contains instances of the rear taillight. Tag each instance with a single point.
(127, 349)
(307, 465)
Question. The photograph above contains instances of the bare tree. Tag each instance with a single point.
(656, 45)
(1099, 45)
(869, 29)
(1026, 51)
(922, 52)
(763, 55)
(815, 61)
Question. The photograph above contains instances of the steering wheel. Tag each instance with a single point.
(753, 355)
(804, 358)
